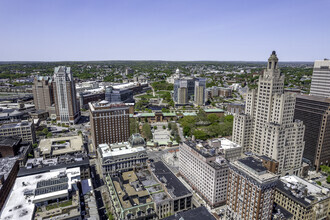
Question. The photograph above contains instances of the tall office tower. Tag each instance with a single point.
(43, 92)
(267, 127)
(182, 94)
(200, 87)
(189, 83)
(109, 122)
(205, 170)
(314, 111)
(250, 191)
(66, 105)
(321, 78)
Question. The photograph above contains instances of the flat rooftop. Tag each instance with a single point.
(19, 205)
(118, 149)
(174, 186)
(130, 190)
(200, 213)
(254, 169)
(16, 125)
(296, 188)
(61, 145)
(6, 165)
(224, 143)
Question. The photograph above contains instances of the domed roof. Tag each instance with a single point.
(136, 140)
(177, 71)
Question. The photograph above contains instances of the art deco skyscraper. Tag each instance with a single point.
(321, 78)
(267, 127)
(66, 105)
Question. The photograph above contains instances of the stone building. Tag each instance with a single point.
(268, 126)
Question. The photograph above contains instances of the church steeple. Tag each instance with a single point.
(272, 61)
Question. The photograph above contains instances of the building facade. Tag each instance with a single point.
(268, 126)
(66, 105)
(302, 199)
(119, 95)
(42, 90)
(24, 129)
(321, 78)
(314, 111)
(250, 193)
(200, 96)
(188, 83)
(122, 157)
(212, 170)
(109, 122)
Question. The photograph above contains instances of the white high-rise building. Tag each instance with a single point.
(66, 105)
(321, 78)
(205, 170)
(267, 127)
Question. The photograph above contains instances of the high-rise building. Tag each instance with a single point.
(188, 83)
(182, 96)
(109, 122)
(314, 111)
(200, 87)
(267, 127)
(42, 89)
(250, 192)
(205, 170)
(66, 105)
(118, 95)
(321, 78)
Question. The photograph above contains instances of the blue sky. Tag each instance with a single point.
(56, 30)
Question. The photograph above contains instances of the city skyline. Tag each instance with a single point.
(171, 30)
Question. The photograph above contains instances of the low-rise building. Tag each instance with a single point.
(15, 146)
(44, 196)
(152, 193)
(40, 165)
(205, 170)
(124, 156)
(55, 147)
(229, 149)
(302, 199)
(250, 193)
(24, 129)
(8, 170)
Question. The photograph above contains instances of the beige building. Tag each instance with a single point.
(66, 105)
(250, 193)
(147, 193)
(109, 122)
(302, 199)
(268, 127)
(42, 90)
(182, 95)
(55, 147)
(205, 170)
(321, 78)
(24, 129)
(200, 88)
(120, 157)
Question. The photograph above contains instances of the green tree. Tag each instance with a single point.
(146, 131)
(169, 125)
(164, 127)
(213, 118)
(155, 127)
(229, 118)
(200, 134)
(133, 126)
(328, 179)
(49, 135)
(45, 131)
(35, 145)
